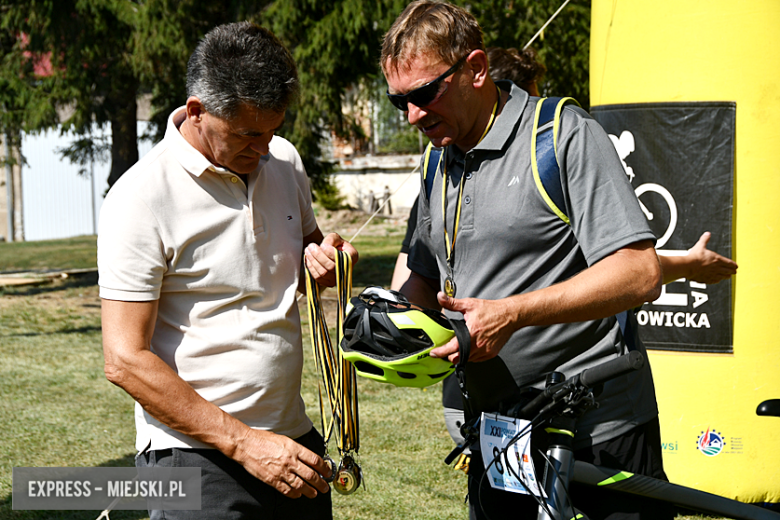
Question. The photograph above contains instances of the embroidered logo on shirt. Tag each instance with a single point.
(515, 180)
(289, 217)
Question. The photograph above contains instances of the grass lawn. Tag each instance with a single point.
(69, 253)
(57, 409)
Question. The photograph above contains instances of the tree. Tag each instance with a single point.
(165, 35)
(564, 47)
(23, 107)
(336, 45)
(104, 53)
(88, 45)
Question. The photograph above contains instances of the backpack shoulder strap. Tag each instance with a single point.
(430, 167)
(544, 159)
(547, 175)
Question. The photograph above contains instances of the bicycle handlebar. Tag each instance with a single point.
(587, 378)
(612, 369)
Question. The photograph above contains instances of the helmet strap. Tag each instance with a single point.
(464, 347)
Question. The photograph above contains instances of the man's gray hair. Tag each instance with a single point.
(241, 64)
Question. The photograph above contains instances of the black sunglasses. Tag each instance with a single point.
(425, 95)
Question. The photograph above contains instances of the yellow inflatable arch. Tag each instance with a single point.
(685, 60)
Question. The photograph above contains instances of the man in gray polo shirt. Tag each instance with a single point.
(200, 253)
(538, 295)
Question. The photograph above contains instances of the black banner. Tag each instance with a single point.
(679, 158)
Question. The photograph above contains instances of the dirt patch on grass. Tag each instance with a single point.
(347, 222)
(77, 295)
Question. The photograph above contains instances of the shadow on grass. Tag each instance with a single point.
(75, 330)
(7, 513)
(73, 281)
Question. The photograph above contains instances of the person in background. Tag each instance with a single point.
(200, 253)
(520, 67)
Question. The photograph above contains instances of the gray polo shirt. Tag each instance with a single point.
(510, 242)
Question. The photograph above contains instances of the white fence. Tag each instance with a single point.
(58, 202)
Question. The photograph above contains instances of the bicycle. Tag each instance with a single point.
(557, 408)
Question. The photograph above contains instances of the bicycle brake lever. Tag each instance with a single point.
(454, 453)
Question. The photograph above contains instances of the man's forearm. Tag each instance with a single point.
(129, 363)
(173, 402)
(421, 291)
(674, 267)
(623, 280)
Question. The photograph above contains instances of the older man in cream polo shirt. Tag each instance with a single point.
(200, 251)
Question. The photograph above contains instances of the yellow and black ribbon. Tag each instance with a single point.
(338, 380)
(450, 246)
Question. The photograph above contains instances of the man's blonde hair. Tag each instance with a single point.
(431, 26)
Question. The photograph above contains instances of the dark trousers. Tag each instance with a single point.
(637, 451)
(229, 492)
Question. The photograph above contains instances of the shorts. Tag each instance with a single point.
(453, 419)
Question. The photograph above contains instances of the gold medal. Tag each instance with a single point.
(449, 287)
(449, 283)
(333, 468)
(348, 477)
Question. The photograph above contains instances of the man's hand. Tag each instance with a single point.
(488, 322)
(700, 264)
(708, 266)
(321, 259)
(282, 463)
(277, 460)
(622, 280)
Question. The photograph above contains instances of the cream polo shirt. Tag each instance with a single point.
(224, 263)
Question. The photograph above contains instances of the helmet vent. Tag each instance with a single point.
(418, 334)
(437, 376)
(406, 375)
(368, 368)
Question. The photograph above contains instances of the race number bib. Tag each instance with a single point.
(509, 467)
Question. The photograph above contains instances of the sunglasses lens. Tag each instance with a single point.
(398, 102)
(420, 97)
(424, 95)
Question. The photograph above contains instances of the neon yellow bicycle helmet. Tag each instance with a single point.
(389, 340)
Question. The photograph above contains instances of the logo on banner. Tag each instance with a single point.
(672, 447)
(710, 443)
(679, 159)
(665, 216)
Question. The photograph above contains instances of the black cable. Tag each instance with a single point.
(539, 500)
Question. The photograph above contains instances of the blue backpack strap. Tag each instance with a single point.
(544, 153)
(547, 175)
(430, 167)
